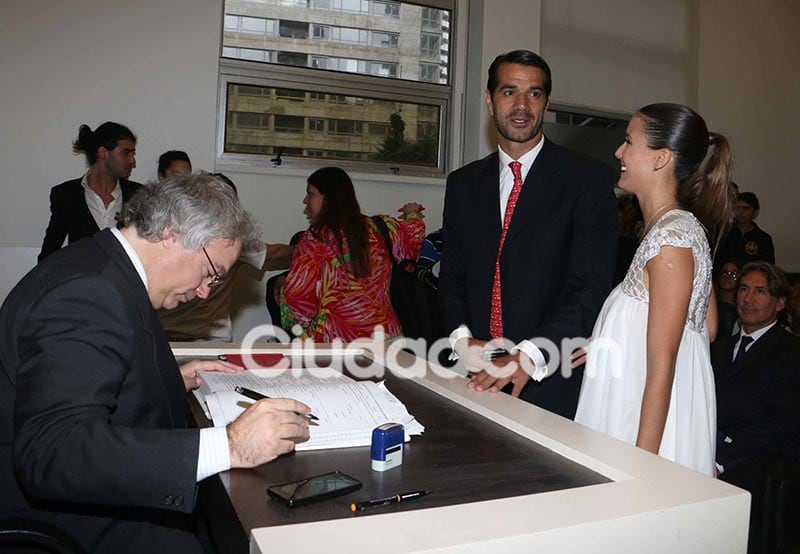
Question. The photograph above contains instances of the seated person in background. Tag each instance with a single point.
(746, 241)
(209, 319)
(757, 376)
(338, 283)
(94, 437)
(275, 287)
(726, 284)
(173, 161)
(81, 207)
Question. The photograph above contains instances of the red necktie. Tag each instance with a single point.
(496, 316)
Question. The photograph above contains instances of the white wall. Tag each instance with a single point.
(621, 55)
(749, 90)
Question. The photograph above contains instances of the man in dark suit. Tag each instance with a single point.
(81, 207)
(93, 430)
(757, 377)
(529, 245)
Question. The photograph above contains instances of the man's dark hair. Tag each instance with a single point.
(521, 57)
(106, 135)
(750, 198)
(777, 283)
(165, 160)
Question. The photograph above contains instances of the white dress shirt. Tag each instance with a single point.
(214, 453)
(755, 335)
(504, 190)
(104, 216)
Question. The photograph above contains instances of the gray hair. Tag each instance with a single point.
(197, 207)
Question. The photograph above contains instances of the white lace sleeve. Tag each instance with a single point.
(666, 234)
(681, 229)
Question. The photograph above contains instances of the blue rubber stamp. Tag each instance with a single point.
(387, 446)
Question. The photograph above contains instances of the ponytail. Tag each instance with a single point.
(709, 194)
(106, 135)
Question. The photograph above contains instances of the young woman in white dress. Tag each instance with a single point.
(648, 378)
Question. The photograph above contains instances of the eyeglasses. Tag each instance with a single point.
(731, 274)
(217, 279)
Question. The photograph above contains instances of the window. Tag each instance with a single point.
(344, 127)
(387, 9)
(392, 108)
(292, 58)
(429, 72)
(322, 32)
(386, 40)
(289, 124)
(293, 29)
(246, 120)
(378, 129)
(431, 18)
(316, 125)
(249, 25)
(245, 90)
(429, 45)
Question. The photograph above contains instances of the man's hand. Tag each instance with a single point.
(190, 371)
(265, 430)
(514, 368)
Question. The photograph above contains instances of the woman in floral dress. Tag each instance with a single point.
(338, 282)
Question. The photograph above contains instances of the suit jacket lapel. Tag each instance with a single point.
(528, 210)
(163, 360)
(765, 344)
(487, 193)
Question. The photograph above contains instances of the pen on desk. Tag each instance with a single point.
(359, 506)
(253, 395)
(492, 355)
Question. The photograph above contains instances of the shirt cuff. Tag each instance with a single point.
(536, 356)
(257, 259)
(460, 332)
(214, 455)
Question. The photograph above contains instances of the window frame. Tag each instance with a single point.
(446, 98)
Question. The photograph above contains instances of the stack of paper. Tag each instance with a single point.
(348, 410)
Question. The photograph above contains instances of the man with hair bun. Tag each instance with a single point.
(81, 207)
(94, 437)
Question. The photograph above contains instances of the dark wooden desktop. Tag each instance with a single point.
(462, 457)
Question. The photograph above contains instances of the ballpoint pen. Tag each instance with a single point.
(492, 355)
(394, 499)
(253, 395)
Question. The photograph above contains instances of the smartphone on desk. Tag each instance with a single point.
(314, 489)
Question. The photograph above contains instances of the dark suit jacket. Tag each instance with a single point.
(93, 433)
(557, 261)
(70, 217)
(758, 399)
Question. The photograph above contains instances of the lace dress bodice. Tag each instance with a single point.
(681, 229)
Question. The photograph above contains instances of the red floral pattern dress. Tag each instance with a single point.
(327, 301)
